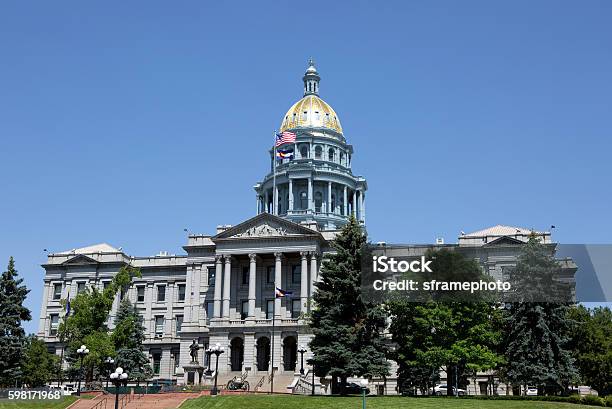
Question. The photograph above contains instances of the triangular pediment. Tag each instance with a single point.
(504, 240)
(266, 225)
(80, 259)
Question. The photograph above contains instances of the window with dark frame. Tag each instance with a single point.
(245, 275)
(244, 309)
(269, 309)
(156, 363)
(181, 292)
(57, 291)
(53, 324)
(296, 308)
(80, 287)
(296, 273)
(210, 310)
(179, 323)
(140, 293)
(161, 293)
(211, 276)
(270, 274)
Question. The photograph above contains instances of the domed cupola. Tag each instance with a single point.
(310, 179)
(311, 111)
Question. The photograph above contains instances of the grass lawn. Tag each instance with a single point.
(37, 404)
(387, 402)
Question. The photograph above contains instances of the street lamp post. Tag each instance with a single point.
(118, 377)
(217, 350)
(364, 386)
(109, 364)
(301, 350)
(208, 355)
(81, 352)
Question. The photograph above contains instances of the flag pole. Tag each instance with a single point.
(272, 342)
(274, 177)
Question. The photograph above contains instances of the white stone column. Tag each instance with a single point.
(313, 272)
(290, 195)
(278, 283)
(345, 210)
(217, 296)
(310, 206)
(267, 200)
(363, 206)
(354, 203)
(148, 318)
(252, 285)
(276, 197)
(329, 209)
(304, 282)
(227, 278)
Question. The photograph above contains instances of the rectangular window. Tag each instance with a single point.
(156, 363)
(80, 287)
(159, 326)
(105, 284)
(53, 324)
(140, 293)
(269, 309)
(296, 308)
(304, 115)
(57, 291)
(270, 275)
(179, 323)
(245, 274)
(296, 273)
(161, 293)
(244, 310)
(181, 292)
(211, 276)
(210, 308)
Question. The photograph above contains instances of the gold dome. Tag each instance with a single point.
(311, 112)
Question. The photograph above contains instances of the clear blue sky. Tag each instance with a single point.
(125, 122)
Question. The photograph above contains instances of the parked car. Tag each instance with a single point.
(531, 391)
(66, 390)
(352, 388)
(442, 390)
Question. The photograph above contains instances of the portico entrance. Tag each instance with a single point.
(289, 353)
(237, 354)
(263, 353)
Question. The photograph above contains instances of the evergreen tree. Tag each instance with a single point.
(39, 366)
(12, 335)
(347, 329)
(537, 332)
(128, 336)
(591, 346)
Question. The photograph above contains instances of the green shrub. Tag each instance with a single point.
(593, 400)
(574, 399)
(608, 401)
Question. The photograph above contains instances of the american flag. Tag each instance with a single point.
(284, 137)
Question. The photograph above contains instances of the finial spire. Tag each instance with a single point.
(311, 79)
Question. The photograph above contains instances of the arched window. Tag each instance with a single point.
(318, 152)
(318, 201)
(330, 154)
(342, 158)
(304, 152)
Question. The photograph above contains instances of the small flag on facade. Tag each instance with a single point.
(285, 137)
(284, 154)
(280, 293)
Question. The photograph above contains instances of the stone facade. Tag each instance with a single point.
(222, 290)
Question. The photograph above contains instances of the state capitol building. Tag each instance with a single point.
(222, 290)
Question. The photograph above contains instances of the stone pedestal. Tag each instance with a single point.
(193, 373)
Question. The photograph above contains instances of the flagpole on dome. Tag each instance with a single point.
(274, 176)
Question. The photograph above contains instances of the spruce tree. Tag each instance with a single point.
(348, 340)
(128, 336)
(38, 365)
(537, 330)
(12, 335)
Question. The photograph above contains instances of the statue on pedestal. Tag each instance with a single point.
(193, 351)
